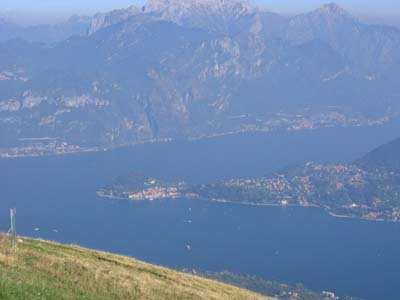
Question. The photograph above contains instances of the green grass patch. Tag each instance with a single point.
(44, 271)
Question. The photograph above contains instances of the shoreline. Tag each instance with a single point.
(94, 149)
(223, 201)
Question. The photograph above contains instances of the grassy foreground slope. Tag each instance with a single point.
(44, 270)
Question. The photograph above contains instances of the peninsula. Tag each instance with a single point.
(368, 188)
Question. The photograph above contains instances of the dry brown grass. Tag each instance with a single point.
(45, 270)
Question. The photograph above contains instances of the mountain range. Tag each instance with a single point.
(187, 69)
(45, 33)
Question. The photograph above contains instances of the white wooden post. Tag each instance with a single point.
(13, 213)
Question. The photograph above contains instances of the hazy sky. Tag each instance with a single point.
(381, 8)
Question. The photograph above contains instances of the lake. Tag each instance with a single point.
(55, 199)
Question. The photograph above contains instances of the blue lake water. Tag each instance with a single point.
(56, 196)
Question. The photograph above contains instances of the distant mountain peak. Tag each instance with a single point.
(102, 20)
(192, 2)
(79, 19)
(332, 9)
(211, 5)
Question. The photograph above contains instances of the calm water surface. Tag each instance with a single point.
(55, 198)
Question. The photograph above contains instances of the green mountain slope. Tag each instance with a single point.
(44, 270)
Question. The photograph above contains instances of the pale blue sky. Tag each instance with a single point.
(390, 8)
